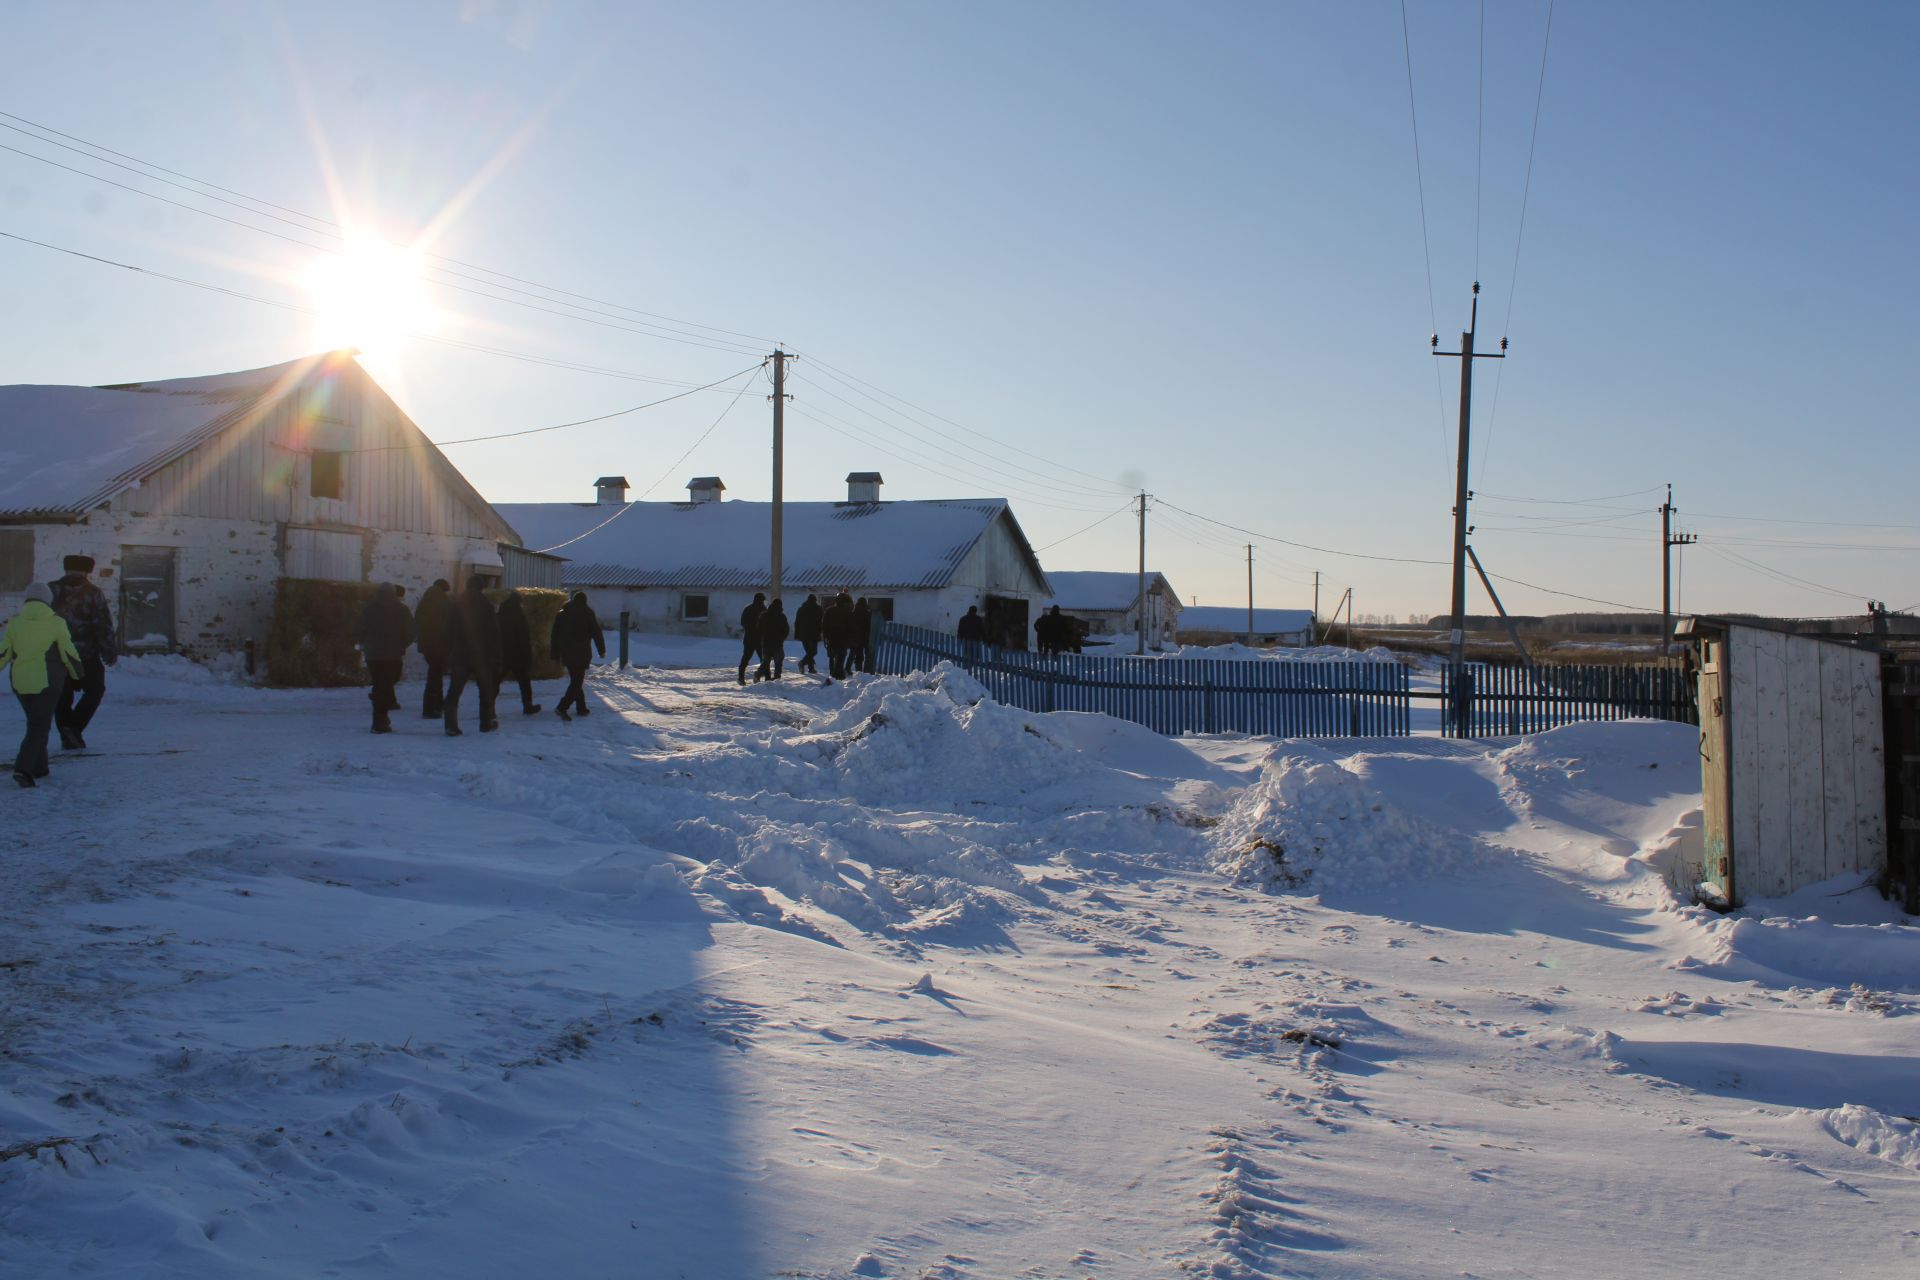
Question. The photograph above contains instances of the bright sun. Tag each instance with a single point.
(370, 295)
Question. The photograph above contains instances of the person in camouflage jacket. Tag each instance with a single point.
(84, 606)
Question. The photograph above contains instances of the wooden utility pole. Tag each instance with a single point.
(1668, 541)
(1316, 598)
(1249, 595)
(780, 359)
(1457, 647)
(1142, 622)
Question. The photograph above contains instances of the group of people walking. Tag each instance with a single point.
(466, 640)
(844, 625)
(57, 649)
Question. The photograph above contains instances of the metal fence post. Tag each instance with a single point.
(624, 619)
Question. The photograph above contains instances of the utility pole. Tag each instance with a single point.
(1142, 621)
(1249, 595)
(1668, 541)
(780, 359)
(1316, 597)
(1456, 658)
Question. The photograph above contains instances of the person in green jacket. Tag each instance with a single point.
(39, 648)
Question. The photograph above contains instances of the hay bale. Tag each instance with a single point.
(311, 644)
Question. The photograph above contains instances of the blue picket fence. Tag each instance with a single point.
(1172, 695)
(1496, 701)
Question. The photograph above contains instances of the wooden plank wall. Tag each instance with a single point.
(1807, 767)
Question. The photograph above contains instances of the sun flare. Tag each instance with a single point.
(370, 295)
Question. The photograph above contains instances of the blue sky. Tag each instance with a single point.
(1128, 245)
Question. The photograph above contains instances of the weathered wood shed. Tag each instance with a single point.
(1792, 761)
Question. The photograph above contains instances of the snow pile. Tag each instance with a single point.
(1896, 1141)
(1810, 952)
(937, 738)
(1311, 824)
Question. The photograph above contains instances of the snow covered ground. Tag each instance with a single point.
(887, 981)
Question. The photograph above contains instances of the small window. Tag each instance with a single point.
(881, 607)
(329, 474)
(693, 608)
(16, 559)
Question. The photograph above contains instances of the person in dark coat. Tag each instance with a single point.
(1046, 633)
(750, 631)
(385, 631)
(860, 647)
(90, 623)
(516, 650)
(576, 633)
(773, 641)
(971, 632)
(473, 653)
(430, 632)
(836, 627)
(806, 629)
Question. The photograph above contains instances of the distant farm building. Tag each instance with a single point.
(689, 568)
(1228, 624)
(195, 496)
(1109, 604)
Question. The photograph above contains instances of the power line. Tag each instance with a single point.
(628, 506)
(327, 226)
(1076, 533)
(607, 321)
(1426, 248)
(875, 393)
(309, 311)
(1615, 604)
(1570, 502)
(1304, 546)
(1526, 192)
(1781, 575)
(562, 426)
(1028, 481)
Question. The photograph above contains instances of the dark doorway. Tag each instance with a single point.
(146, 598)
(1007, 622)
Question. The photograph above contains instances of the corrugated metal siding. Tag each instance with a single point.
(523, 568)
(261, 467)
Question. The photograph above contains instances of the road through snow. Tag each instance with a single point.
(889, 981)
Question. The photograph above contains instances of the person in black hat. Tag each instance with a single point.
(773, 640)
(84, 606)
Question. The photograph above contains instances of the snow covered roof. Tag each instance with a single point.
(727, 544)
(66, 450)
(1101, 591)
(1232, 619)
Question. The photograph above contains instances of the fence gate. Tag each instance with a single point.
(1173, 695)
(1497, 701)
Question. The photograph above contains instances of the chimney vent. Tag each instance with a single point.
(705, 489)
(611, 490)
(863, 486)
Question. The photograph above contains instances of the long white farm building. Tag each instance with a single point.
(689, 568)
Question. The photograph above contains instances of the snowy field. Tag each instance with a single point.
(887, 981)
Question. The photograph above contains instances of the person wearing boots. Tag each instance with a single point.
(516, 650)
(806, 629)
(750, 631)
(773, 641)
(430, 631)
(473, 654)
(386, 629)
(83, 607)
(576, 633)
(836, 626)
(860, 643)
(39, 649)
